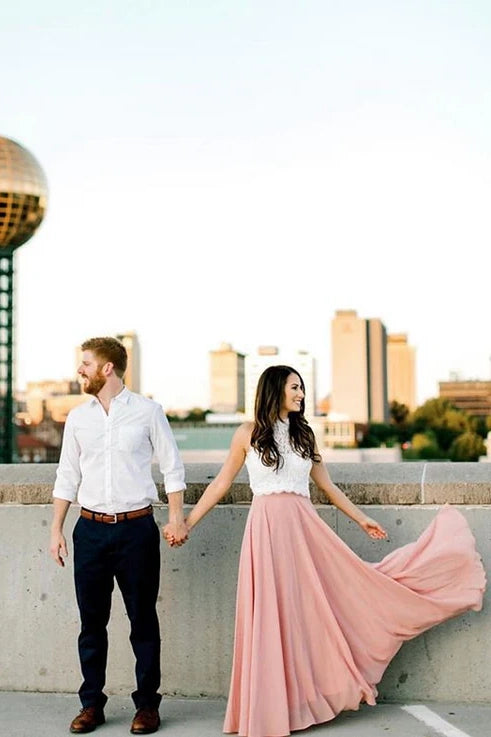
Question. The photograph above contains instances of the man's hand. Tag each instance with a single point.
(58, 548)
(175, 533)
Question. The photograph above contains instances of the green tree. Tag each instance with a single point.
(377, 434)
(400, 420)
(467, 447)
(196, 415)
(399, 413)
(479, 426)
(383, 431)
(441, 417)
(368, 440)
(424, 445)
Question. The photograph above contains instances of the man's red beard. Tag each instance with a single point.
(95, 384)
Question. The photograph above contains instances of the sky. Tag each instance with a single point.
(238, 171)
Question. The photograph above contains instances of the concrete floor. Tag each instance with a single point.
(49, 715)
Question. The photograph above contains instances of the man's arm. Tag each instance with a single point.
(68, 477)
(176, 526)
(68, 474)
(171, 466)
(58, 547)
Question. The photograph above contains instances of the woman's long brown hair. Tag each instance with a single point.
(269, 397)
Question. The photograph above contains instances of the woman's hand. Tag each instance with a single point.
(373, 529)
(175, 534)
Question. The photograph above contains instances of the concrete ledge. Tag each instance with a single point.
(372, 483)
(197, 604)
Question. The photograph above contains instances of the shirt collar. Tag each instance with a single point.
(123, 396)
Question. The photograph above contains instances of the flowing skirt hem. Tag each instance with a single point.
(316, 626)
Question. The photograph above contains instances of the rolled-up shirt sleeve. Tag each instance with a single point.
(166, 451)
(68, 475)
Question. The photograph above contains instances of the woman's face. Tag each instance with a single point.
(293, 394)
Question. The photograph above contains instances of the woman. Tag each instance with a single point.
(315, 625)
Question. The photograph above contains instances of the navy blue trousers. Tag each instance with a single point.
(129, 552)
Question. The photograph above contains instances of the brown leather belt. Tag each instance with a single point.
(111, 519)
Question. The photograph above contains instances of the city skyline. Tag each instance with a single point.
(231, 173)
(296, 357)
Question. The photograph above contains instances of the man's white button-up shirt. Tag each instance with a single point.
(106, 459)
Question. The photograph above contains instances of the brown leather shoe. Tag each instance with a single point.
(145, 721)
(89, 718)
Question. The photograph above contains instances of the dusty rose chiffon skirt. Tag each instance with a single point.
(316, 626)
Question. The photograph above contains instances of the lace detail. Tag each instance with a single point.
(281, 434)
(293, 474)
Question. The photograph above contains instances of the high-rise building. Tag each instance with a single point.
(132, 375)
(401, 365)
(377, 371)
(267, 356)
(227, 380)
(473, 396)
(359, 367)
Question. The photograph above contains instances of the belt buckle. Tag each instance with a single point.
(115, 520)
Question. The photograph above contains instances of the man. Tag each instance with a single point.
(106, 456)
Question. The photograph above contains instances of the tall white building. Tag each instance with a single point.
(267, 356)
(401, 359)
(359, 367)
(226, 380)
(132, 375)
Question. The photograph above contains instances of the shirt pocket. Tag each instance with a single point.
(130, 438)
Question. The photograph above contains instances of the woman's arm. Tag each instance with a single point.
(223, 481)
(321, 478)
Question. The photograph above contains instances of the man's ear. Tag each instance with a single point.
(107, 368)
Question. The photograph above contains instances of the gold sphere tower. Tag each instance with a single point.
(23, 198)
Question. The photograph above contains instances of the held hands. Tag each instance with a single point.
(372, 528)
(175, 533)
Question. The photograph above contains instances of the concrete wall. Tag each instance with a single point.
(197, 597)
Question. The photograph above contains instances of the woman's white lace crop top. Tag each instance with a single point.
(293, 474)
